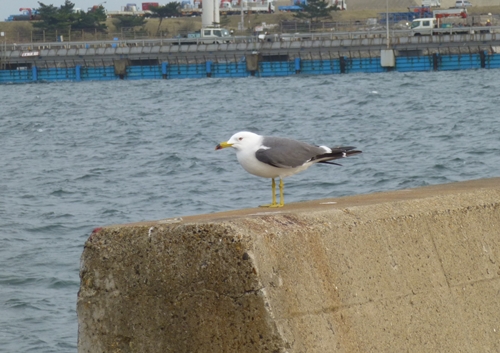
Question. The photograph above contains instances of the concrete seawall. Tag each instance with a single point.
(406, 271)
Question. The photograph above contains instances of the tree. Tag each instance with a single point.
(50, 18)
(124, 21)
(92, 20)
(224, 21)
(315, 10)
(172, 9)
(65, 18)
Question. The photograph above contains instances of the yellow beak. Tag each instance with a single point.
(223, 145)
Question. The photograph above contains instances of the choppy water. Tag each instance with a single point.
(75, 156)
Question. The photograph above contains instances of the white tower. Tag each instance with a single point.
(210, 13)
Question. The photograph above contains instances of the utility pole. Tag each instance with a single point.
(3, 58)
(387, 23)
(242, 16)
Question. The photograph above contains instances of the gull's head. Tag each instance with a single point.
(241, 140)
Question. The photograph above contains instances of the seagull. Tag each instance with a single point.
(278, 157)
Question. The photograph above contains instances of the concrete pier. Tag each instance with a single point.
(406, 271)
(321, 45)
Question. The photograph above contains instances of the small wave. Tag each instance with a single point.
(440, 167)
(48, 229)
(88, 176)
(21, 304)
(61, 192)
(57, 283)
(15, 280)
(53, 215)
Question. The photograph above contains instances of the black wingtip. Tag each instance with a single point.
(352, 152)
(337, 153)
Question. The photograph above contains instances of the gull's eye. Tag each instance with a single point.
(240, 138)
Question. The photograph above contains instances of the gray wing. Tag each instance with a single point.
(286, 153)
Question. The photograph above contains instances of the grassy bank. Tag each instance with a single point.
(19, 32)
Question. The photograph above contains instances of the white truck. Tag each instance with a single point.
(431, 3)
(213, 35)
(339, 4)
(128, 10)
(451, 21)
(263, 6)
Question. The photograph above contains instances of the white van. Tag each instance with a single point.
(462, 3)
(210, 35)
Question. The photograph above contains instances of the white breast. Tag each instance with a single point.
(253, 166)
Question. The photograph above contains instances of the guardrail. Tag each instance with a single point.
(245, 43)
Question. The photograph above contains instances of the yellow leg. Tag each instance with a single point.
(273, 188)
(282, 193)
(273, 203)
(282, 199)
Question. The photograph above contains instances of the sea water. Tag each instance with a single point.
(75, 156)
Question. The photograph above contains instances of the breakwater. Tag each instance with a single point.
(397, 271)
(274, 56)
(167, 70)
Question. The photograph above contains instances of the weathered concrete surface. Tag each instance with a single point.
(406, 271)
